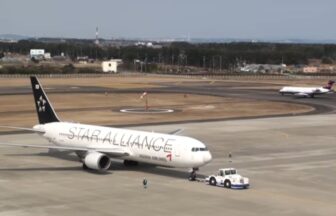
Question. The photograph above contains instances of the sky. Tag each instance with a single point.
(240, 19)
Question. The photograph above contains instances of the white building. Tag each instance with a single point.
(111, 65)
(36, 53)
(263, 68)
(47, 56)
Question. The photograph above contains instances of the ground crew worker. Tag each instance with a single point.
(230, 157)
(144, 182)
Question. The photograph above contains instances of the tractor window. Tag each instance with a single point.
(221, 173)
(233, 172)
(227, 172)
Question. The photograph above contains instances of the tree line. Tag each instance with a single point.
(210, 55)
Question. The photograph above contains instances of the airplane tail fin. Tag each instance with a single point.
(329, 85)
(44, 109)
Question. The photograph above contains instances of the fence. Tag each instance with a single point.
(189, 76)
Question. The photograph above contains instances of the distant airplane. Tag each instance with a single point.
(96, 145)
(307, 91)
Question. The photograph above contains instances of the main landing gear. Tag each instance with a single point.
(130, 163)
(81, 155)
(193, 175)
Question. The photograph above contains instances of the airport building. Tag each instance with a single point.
(263, 68)
(111, 65)
(37, 53)
(310, 69)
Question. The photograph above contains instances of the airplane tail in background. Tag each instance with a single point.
(329, 85)
(44, 109)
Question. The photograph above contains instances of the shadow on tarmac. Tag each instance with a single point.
(42, 169)
(116, 166)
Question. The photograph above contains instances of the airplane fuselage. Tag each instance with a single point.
(148, 147)
(304, 91)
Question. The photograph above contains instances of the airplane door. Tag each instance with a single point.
(177, 151)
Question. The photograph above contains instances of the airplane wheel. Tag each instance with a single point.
(212, 181)
(192, 176)
(130, 163)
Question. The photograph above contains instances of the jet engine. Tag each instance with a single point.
(97, 161)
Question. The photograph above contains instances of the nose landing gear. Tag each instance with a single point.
(193, 175)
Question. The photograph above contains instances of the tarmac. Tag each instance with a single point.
(290, 161)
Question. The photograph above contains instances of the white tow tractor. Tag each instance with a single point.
(229, 178)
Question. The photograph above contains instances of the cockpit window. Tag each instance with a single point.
(195, 149)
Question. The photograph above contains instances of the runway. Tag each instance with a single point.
(290, 162)
(322, 103)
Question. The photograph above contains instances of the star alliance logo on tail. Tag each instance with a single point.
(41, 104)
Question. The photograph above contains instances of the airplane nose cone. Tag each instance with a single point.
(207, 157)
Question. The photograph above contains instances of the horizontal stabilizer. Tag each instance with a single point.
(25, 129)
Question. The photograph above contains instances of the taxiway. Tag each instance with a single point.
(290, 162)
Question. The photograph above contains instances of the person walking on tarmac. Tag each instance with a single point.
(144, 182)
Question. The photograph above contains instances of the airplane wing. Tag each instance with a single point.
(175, 132)
(112, 152)
(317, 90)
(43, 146)
(301, 94)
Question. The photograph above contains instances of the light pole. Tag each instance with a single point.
(220, 63)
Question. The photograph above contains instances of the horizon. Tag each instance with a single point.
(13, 36)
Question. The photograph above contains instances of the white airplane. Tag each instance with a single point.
(307, 91)
(96, 145)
